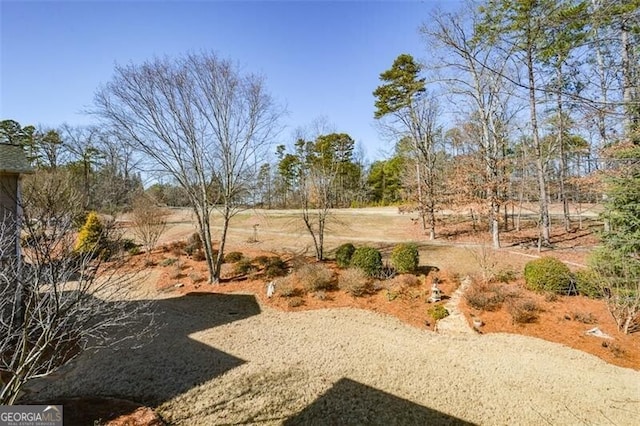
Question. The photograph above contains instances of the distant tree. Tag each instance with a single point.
(149, 221)
(50, 149)
(117, 178)
(385, 180)
(318, 170)
(478, 83)
(287, 171)
(519, 26)
(264, 187)
(83, 158)
(12, 132)
(403, 99)
(202, 121)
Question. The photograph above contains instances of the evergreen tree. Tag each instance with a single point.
(617, 262)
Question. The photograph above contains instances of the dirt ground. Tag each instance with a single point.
(459, 251)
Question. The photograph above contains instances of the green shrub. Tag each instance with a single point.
(548, 274)
(405, 258)
(128, 244)
(233, 257)
(344, 254)
(169, 261)
(354, 282)
(244, 266)
(275, 267)
(262, 260)
(314, 277)
(90, 234)
(588, 283)
(367, 259)
(438, 312)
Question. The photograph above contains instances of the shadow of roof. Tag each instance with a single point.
(168, 363)
(350, 402)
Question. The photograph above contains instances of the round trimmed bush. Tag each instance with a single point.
(233, 257)
(547, 274)
(344, 254)
(367, 259)
(405, 258)
(588, 284)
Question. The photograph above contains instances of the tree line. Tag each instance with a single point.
(516, 101)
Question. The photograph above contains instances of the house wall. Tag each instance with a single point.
(9, 184)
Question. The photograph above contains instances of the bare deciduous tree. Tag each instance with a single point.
(149, 221)
(202, 121)
(475, 79)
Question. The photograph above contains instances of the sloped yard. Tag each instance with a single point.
(230, 355)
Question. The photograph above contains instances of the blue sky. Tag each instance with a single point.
(319, 58)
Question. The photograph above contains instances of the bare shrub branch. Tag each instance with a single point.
(149, 222)
(57, 303)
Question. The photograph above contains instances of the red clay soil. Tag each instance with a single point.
(565, 321)
(408, 303)
(561, 321)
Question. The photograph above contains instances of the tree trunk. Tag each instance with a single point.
(545, 225)
(561, 145)
(432, 224)
(202, 217)
(494, 224)
(223, 238)
(627, 81)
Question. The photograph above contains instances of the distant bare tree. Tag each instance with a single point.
(149, 221)
(472, 83)
(80, 149)
(201, 120)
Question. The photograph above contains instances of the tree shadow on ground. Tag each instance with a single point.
(350, 402)
(168, 363)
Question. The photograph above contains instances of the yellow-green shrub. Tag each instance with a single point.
(90, 234)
